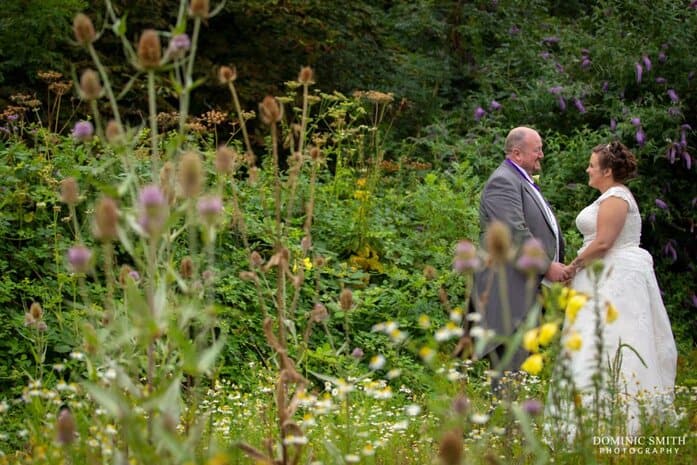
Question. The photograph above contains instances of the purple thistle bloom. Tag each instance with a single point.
(585, 63)
(613, 124)
(673, 95)
(465, 248)
(662, 57)
(494, 105)
(533, 260)
(479, 113)
(179, 45)
(550, 40)
(579, 105)
(134, 275)
(151, 197)
(545, 55)
(605, 86)
(466, 258)
(209, 208)
(661, 204)
(562, 103)
(640, 137)
(639, 71)
(661, 80)
(647, 62)
(636, 121)
(79, 258)
(532, 407)
(357, 353)
(83, 131)
(514, 30)
(556, 90)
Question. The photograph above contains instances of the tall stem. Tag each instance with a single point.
(188, 78)
(152, 106)
(107, 83)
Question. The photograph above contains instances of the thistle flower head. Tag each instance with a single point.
(36, 312)
(153, 206)
(114, 132)
(532, 407)
(179, 45)
(673, 95)
(498, 241)
(306, 76)
(90, 87)
(106, 218)
(466, 258)
(210, 208)
(200, 8)
(270, 110)
(494, 105)
(83, 131)
(227, 74)
(319, 313)
(190, 174)
(65, 426)
(451, 447)
(479, 113)
(533, 260)
(79, 258)
(346, 299)
(83, 29)
(70, 193)
(149, 49)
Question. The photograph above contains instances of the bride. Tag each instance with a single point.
(624, 294)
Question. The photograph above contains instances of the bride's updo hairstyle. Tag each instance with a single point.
(618, 158)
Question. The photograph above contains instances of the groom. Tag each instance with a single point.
(512, 197)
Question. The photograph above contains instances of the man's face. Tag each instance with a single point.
(529, 153)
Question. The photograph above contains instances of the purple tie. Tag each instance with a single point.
(523, 175)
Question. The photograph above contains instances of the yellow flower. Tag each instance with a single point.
(530, 341)
(219, 459)
(574, 341)
(547, 333)
(565, 295)
(612, 313)
(424, 321)
(575, 304)
(361, 194)
(427, 354)
(533, 364)
(308, 263)
(361, 182)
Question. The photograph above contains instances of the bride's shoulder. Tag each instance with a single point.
(620, 191)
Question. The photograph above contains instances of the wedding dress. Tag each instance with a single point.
(628, 282)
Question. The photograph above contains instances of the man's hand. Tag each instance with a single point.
(558, 272)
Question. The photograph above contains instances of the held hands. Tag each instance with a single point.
(558, 272)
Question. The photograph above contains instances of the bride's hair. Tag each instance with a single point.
(618, 158)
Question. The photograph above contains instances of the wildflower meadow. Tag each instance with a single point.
(285, 277)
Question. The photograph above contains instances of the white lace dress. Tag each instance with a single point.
(628, 281)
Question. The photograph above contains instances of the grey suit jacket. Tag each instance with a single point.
(511, 199)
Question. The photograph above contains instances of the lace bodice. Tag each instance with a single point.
(586, 221)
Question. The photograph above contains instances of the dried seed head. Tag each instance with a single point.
(124, 274)
(36, 312)
(430, 273)
(90, 86)
(248, 276)
(200, 8)
(106, 216)
(451, 447)
(186, 268)
(70, 192)
(149, 49)
(190, 175)
(167, 181)
(255, 259)
(225, 160)
(83, 29)
(498, 242)
(270, 110)
(65, 426)
(306, 76)
(319, 261)
(114, 132)
(315, 153)
(227, 74)
(346, 299)
(319, 313)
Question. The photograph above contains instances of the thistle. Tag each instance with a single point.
(227, 74)
(269, 109)
(70, 193)
(90, 87)
(149, 49)
(106, 215)
(190, 175)
(200, 8)
(498, 242)
(83, 29)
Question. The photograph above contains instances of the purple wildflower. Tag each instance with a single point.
(687, 159)
(636, 121)
(640, 137)
(179, 45)
(639, 71)
(494, 105)
(533, 260)
(671, 154)
(209, 208)
(12, 117)
(466, 258)
(673, 95)
(357, 353)
(545, 55)
(562, 103)
(514, 30)
(669, 250)
(135, 276)
(585, 63)
(694, 296)
(661, 204)
(556, 90)
(647, 62)
(550, 40)
(613, 124)
(79, 258)
(479, 113)
(579, 105)
(559, 67)
(673, 111)
(153, 206)
(661, 80)
(605, 86)
(83, 131)
(532, 407)
(662, 57)
(151, 197)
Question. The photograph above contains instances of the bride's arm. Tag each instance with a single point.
(612, 214)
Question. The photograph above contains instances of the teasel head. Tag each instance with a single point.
(451, 447)
(270, 110)
(319, 313)
(186, 268)
(149, 49)
(84, 29)
(36, 312)
(114, 132)
(200, 8)
(430, 273)
(255, 259)
(346, 299)
(70, 192)
(124, 275)
(90, 87)
(306, 76)
(227, 74)
(106, 219)
(225, 159)
(210, 208)
(498, 242)
(190, 174)
(65, 426)
(315, 153)
(167, 182)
